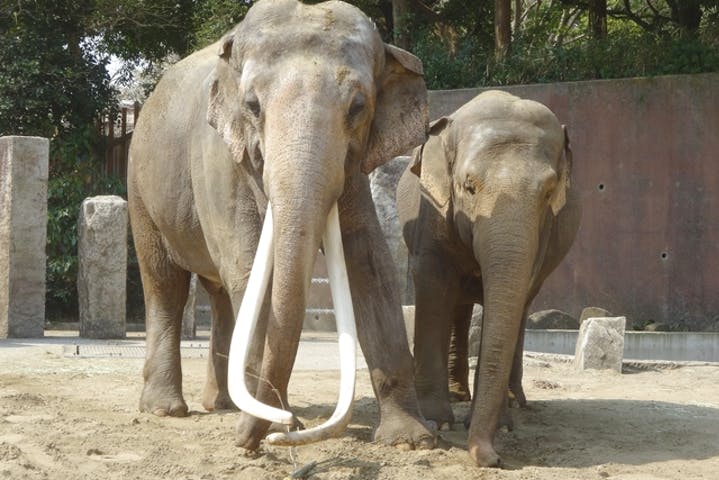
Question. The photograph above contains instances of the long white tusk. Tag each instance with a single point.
(245, 329)
(347, 338)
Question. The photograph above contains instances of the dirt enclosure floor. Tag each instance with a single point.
(64, 416)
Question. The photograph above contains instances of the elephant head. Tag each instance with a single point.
(498, 170)
(306, 96)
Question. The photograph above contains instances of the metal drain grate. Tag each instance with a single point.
(124, 351)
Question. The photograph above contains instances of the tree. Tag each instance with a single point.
(502, 27)
(598, 19)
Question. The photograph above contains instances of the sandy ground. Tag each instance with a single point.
(64, 416)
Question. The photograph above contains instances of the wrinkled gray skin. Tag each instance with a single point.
(294, 106)
(489, 217)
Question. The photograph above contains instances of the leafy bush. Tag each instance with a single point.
(625, 53)
(74, 175)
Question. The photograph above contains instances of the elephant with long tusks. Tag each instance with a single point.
(281, 119)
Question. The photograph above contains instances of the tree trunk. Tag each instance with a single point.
(502, 28)
(598, 19)
(400, 17)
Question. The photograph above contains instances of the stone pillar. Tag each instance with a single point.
(383, 183)
(23, 235)
(189, 326)
(102, 269)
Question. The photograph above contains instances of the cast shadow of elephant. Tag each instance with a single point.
(578, 433)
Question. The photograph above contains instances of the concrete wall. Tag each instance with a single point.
(646, 159)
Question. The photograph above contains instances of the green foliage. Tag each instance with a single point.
(75, 175)
(553, 45)
(214, 18)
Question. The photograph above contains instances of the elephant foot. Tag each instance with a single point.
(516, 394)
(250, 431)
(484, 455)
(458, 392)
(212, 401)
(163, 406)
(506, 424)
(406, 432)
(438, 411)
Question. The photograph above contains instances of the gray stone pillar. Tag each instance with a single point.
(189, 325)
(23, 235)
(383, 182)
(102, 270)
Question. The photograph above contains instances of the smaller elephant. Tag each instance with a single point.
(487, 212)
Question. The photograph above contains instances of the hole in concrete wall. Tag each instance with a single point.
(600, 187)
(664, 255)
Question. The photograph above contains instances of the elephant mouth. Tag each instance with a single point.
(245, 330)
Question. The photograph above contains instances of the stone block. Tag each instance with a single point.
(600, 344)
(23, 235)
(189, 323)
(475, 330)
(102, 269)
(408, 314)
(552, 320)
(383, 183)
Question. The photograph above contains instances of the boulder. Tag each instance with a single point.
(552, 320)
(475, 330)
(593, 312)
(383, 183)
(600, 344)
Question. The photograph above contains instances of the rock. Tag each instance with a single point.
(657, 327)
(552, 320)
(102, 266)
(23, 235)
(408, 314)
(593, 312)
(383, 183)
(600, 344)
(189, 324)
(475, 330)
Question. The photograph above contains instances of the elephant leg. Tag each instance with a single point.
(380, 324)
(215, 395)
(515, 378)
(436, 294)
(459, 354)
(165, 287)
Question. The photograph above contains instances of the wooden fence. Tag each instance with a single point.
(118, 133)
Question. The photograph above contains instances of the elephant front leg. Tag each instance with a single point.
(516, 391)
(436, 294)
(459, 354)
(381, 329)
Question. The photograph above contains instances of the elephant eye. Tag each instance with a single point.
(252, 104)
(469, 186)
(357, 106)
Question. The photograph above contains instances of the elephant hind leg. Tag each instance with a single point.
(516, 391)
(215, 395)
(165, 286)
(459, 354)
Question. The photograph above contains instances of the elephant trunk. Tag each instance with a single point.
(505, 247)
(302, 211)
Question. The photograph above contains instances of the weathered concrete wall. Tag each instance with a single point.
(23, 233)
(102, 266)
(646, 159)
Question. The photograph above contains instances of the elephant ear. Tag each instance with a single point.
(401, 111)
(223, 107)
(433, 164)
(564, 172)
